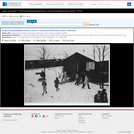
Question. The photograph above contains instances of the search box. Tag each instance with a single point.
(55, 24)
(111, 4)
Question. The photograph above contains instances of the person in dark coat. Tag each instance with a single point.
(83, 78)
(43, 75)
(56, 81)
(97, 97)
(104, 98)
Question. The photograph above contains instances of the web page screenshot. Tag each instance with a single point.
(66, 67)
(66, 59)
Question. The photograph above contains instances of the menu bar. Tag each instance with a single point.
(67, 4)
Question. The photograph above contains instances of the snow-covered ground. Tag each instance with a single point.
(68, 93)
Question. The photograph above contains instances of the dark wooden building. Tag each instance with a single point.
(102, 67)
(35, 64)
(78, 63)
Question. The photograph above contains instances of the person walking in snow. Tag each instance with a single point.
(43, 75)
(64, 77)
(77, 79)
(44, 84)
(83, 78)
(56, 81)
(86, 82)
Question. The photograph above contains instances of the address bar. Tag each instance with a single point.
(55, 24)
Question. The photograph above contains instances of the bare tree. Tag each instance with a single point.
(44, 54)
(93, 55)
(94, 52)
(65, 54)
(102, 51)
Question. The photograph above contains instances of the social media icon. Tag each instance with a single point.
(39, 115)
(43, 116)
(32, 116)
(36, 116)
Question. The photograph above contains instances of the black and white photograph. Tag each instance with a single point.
(67, 74)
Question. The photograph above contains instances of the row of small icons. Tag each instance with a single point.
(9, 16)
(36, 116)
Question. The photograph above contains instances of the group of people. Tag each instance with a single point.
(82, 79)
(101, 97)
(44, 83)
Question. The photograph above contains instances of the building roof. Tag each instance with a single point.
(82, 55)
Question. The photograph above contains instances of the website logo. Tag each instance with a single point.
(4, 4)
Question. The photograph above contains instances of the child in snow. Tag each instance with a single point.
(77, 79)
(86, 82)
(104, 98)
(97, 97)
(56, 81)
(44, 84)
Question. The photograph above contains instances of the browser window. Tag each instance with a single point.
(66, 66)
(68, 47)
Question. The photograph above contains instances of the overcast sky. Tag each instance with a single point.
(58, 51)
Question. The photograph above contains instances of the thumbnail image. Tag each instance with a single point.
(67, 74)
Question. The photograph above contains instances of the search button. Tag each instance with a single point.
(31, 21)
(129, 4)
